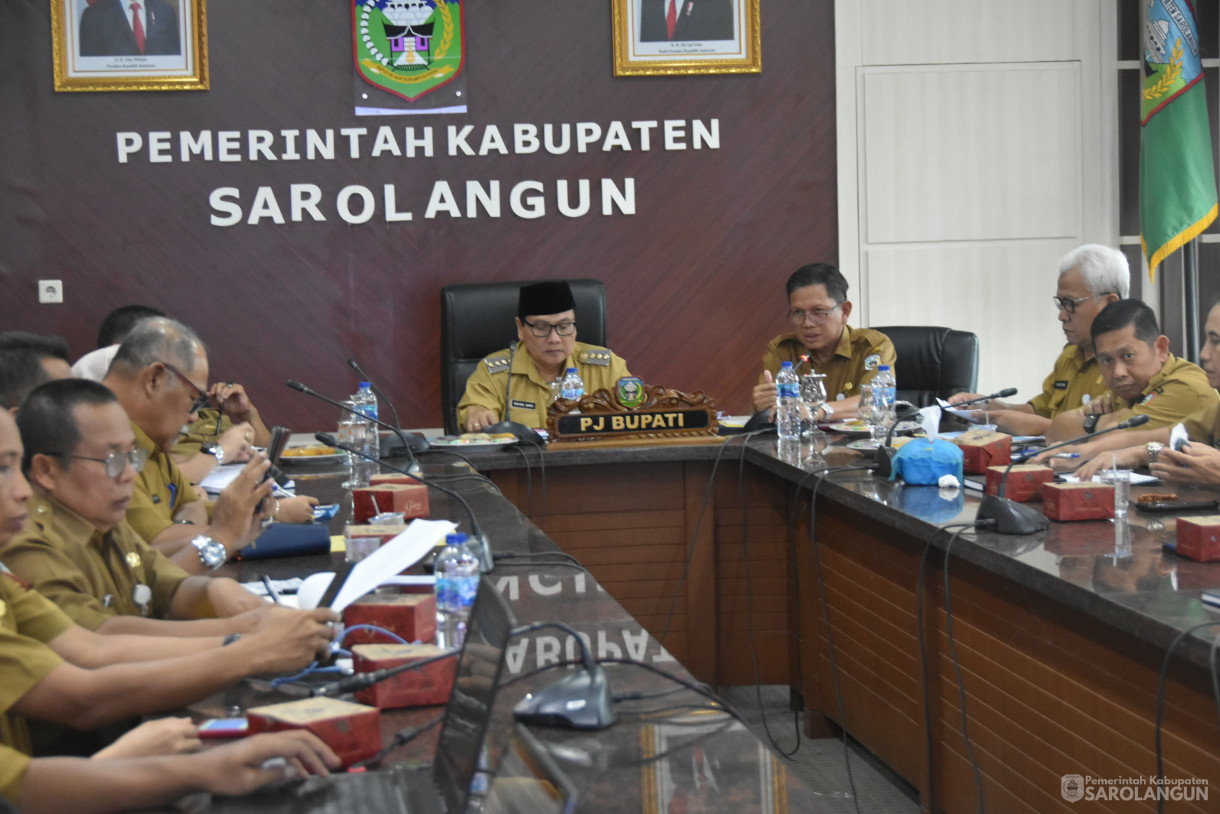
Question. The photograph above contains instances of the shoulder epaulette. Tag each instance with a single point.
(595, 356)
(497, 363)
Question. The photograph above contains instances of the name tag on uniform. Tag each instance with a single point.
(1061, 384)
(524, 405)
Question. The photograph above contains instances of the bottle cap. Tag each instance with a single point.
(457, 538)
(571, 370)
(363, 385)
(886, 368)
(786, 364)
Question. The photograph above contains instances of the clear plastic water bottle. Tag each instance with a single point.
(885, 379)
(573, 386)
(888, 386)
(366, 402)
(788, 403)
(352, 434)
(457, 583)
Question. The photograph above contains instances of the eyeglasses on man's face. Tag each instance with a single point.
(201, 398)
(543, 329)
(115, 463)
(798, 316)
(1068, 304)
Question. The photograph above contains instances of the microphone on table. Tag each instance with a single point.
(1003, 394)
(360, 371)
(485, 558)
(409, 441)
(1011, 517)
(362, 681)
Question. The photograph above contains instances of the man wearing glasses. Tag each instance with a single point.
(78, 550)
(1090, 278)
(511, 385)
(160, 376)
(821, 341)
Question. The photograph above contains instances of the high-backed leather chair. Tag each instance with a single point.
(933, 361)
(477, 319)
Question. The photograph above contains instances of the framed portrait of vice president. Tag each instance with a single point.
(129, 45)
(666, 37)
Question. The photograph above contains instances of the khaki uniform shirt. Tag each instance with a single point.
(201, 431)
(856, 358)
(1178, 390)
(531, 393)
(89, 574)
(28, 621)
(1070, 381)
(1204, 425)
(161, 489)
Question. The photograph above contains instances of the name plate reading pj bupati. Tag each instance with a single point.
(633, 411)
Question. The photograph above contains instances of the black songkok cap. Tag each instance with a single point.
(550, 297)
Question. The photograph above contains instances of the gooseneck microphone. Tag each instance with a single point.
(1011, 517)
(356, 367)
(410, 441)
(1003, 394)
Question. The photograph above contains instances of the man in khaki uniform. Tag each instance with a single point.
(1090, 278)
(1199, 463)
(848, 357)
(160, 375)
(77, 548)
(1144, 378)
(546, 331)
(54, 670)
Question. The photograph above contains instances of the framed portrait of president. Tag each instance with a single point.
(667, 37)
(129, 45)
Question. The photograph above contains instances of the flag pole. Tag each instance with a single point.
(1190, 279)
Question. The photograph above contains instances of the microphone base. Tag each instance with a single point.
(884, 457)
(392, 446)
(1011, 517)
(578, 701)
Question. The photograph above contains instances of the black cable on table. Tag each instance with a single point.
(923, 660)
(529, 479)
(957, 669)
(690, 548)
(830, 641)
(1160, 703)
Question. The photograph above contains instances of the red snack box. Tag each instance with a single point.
(1078, 501)
(1199, 537)
(353, 731)
(381, 532)
(410, 499)
(1024, 481)
(426, 686)
(983, 448)
(411, 616)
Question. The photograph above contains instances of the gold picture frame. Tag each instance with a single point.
(94, 45)
(672, 751)
(704, 36)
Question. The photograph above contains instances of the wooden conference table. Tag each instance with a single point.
(1059, 636)
(642, 763)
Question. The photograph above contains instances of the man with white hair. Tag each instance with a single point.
(1090, 278)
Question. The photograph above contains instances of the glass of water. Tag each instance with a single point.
(813, 396)
(1121, 480)
(873, 411)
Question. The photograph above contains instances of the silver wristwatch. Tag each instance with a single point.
(217, 451)
(1153, 448)
(827, 412)
(211, 552)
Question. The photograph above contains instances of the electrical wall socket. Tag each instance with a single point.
(50, 292)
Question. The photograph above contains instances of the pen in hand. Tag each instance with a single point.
(275, 598)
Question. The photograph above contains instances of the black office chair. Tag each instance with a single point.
(477, 319)
(933, 361)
